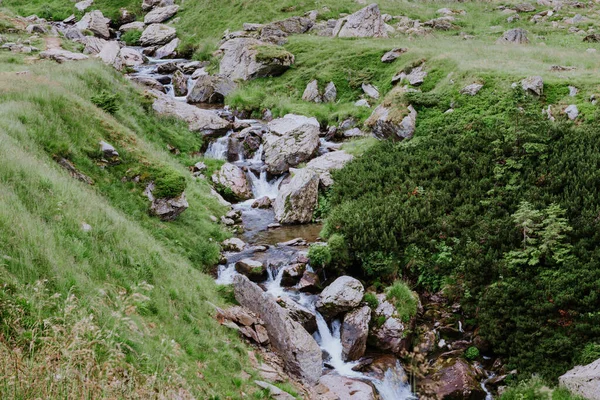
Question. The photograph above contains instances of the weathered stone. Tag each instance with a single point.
(330, 93)
(84, 5)
(309, 283)
(370, 90)
(441, 24)
(169, 50)
(274, 392)
(148, 5)
(416, 76)
(160, 14)
(292, 25)
(149, 82)
(167, 209)
(133, 26)
(472, 89)
(157, 34)
(311, 93)
(534, 85)
(323, 165)
(179, 83)
(254, 270)
(354, 333)
(61, 56)
(572, 112)
(454, 379)
(263, 202)
(109, 52)
(296, 201)
(583, 380)
(211, 89)
(108, 151)
(388, 336)
(233, 244)
(128, 57)
(393, 54)
(231, 181)
(94, 45)
(344, 294)
(292, 274)
(290, 142)
(388, 123)
(244, 58)
(348, 388)
(205, 121)
(367, 22)
(300, 314)
(517, 36)
(295, 345)
(96, 23)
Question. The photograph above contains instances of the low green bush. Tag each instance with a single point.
(169, 184)
(472, 353)
(107, 101)
(371, 300)
(319, 255)
(132, 37)
(404, 299)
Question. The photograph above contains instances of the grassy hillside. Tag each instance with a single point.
(122, 310)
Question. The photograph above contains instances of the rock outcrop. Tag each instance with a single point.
(344, 294)
(247, 58)
(232, 183)
(296, 201)
(292, 140)
(354, 333)
(211, 89)
(204, 121)
(157, 34)
(454, 379)
(167, 209)
(389, 123)
(515, 36)
(295, 345)
(533, 85)
(583, 380)
(367, 22)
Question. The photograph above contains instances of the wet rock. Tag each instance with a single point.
(128, 57)
(62, 56)
(254, 270)
(572, 112)
(167, 209)
(367, 22)
(264, 202)
(169, 50)
(344, 294)
(274, 392)
(389, 336)
(370, 90)
(157, 34)
(300, 314)
(516, 36)
(453, 379)
(354, 333)
(179, 83)
(293, 139)
(295, 345)
(296, 201)
(393, 54)
(96, 23)
(534, 85)
(149, 82)
(206, 122)
(160, 14)
(323, 165)
(311, 93)
(292, 274)
(309, 283)
(389, 123)
(232, 183)
(211, 89)
(347, 388)
(583, 380)
(245, 58)
(233, 244)
(246, 143)
(472, 89)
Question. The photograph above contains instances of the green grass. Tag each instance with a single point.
(404, 299)
(535, 389)
(46, 114)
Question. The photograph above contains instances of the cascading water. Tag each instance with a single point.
(261, 186)
(218, 148)
(330, 342)
(394, 385)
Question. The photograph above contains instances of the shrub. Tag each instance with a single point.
(169, 184)
(132, 37)
(371, 300)
(106, 101)
(589, 354)
(319, 255)
(472, 353)
(378, 264)
(404, 299)
(339, 250)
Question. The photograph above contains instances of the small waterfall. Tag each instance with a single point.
(262, 187)
(488, 394)
(225, 274)
(394, 385)
(273, 285)
(330, 342)
(257, 157)
(218, 148)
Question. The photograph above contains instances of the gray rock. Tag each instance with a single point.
(233, 244)
(242, 60)
(366, 22)
(160, 14)
(387, 123)
(388, 336)
(573, 91)
(309, 283)
(274, 392)
(291, 141)
(516, 36)
(370, 90)
(323, 165)
(62, 56)
(148, 5)
(157, 34)
(205, 121)
(296, 201)
(300, 314)
(472, 89)
(129, 57)
(294, 344)
(96, 23)
(393, 54)
(362, 103)
(94, 45)
(149, 82)
(330, 93)
(109, 51)
(231, 180)
(354, 333)
(179, 83)
(533, 84)
(344, 294)
(572, 112)
(84, 5)
(416, 77)
(344, 388)
(108, 150)
(211, 89)
(167, 209)
(169, 50)
(254, 270)
(311, 93)
(264, 202)
(133, 26)
(583, 380)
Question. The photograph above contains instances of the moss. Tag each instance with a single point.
(169, 185)
(132, 38)
(404, 299)
(269, 52)
(371, 300)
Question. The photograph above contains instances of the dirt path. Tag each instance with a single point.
(52, 43)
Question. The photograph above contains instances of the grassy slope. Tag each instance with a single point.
(47, 112)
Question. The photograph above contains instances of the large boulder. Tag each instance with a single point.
(128, 57)
(246, 58)
(453, 379)
(533, 84)
(93, 45)
(389, 336)
(367, 22)
(347, 388)
(292, 140)
(294, 344)
(344, 294)
(206, 122)
(323, 165)
(160, 14)
(96, 23)
(354, 333)
(583, 380)
(300, 314)
(296, 201)
(211, 89)
(157, 34)
(254, 270)
(514, 36)
(61, 56)
(133, 26)
(292, 25)
(169, 50)
(232, 183)
(167, 209)
(179, 81)
(148, 5)
(388, 122)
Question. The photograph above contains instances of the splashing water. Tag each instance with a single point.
(273, 285)
(394, 385)
(257, 157)
(218, 148)
(262, 187)
(329, 341)
(225, 274)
